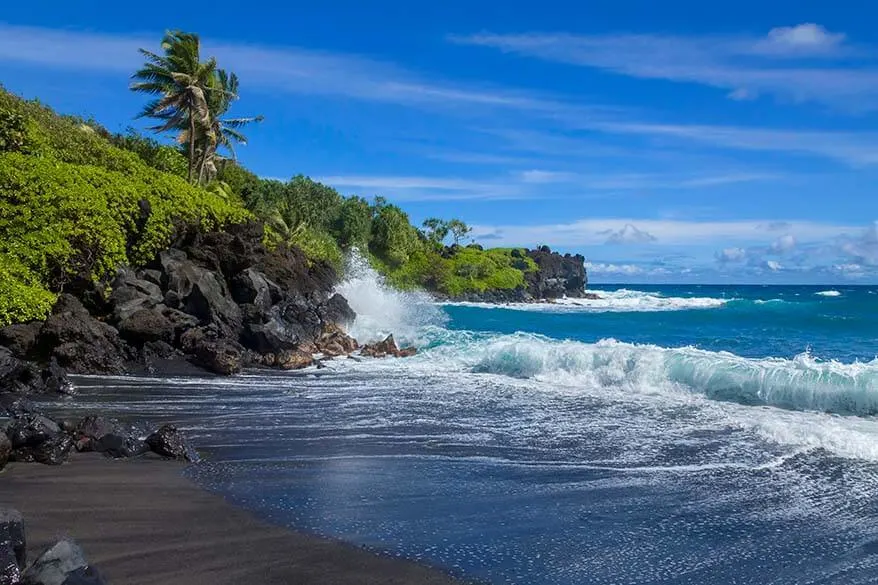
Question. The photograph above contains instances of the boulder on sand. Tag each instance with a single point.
(169, 442)
(62, 564)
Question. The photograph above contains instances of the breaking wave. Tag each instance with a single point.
(622, 300)
(803, 383)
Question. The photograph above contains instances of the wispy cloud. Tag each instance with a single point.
(288, 69)
(592, 232)
(854, 148)
(527, 184)
(794, 63)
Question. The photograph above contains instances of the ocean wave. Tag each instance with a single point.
(828, 293)
(622, 300)
(383, 310)
(803, 383)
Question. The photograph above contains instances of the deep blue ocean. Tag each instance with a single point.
(658, 435)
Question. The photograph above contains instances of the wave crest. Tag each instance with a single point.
(801, 383)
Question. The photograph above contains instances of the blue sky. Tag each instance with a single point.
(666, 141)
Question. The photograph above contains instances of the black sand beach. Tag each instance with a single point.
(142, 523)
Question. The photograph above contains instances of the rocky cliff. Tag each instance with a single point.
(218, 300)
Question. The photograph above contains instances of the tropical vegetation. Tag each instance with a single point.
(77, 201)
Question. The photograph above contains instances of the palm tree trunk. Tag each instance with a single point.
(191, 145)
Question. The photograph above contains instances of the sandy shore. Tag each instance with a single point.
(142, 523)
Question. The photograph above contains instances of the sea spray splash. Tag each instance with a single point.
(383, 310)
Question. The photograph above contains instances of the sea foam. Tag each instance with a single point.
(622, 300)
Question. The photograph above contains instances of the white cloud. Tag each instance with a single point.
(731, 255)
(743, 65)
(864, 248)
(808, 37)
(783, 244)
(538, 176)
(773, 265)
(629, 234)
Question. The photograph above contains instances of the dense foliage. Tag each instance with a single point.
(76, 201)
(74, 205)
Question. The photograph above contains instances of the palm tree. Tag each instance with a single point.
(181, 82)
(220, 131)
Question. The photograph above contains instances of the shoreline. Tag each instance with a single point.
(141, 522)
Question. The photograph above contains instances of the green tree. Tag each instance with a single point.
(221, 132)
(436, 230)
(459, 230)
(180, 81)
(354, 224)
(393, 237)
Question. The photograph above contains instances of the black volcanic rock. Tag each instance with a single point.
(79, 342)
(557, 276)
(170, 442)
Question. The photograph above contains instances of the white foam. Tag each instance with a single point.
(828, 293)
(382, 310)
(622, 300)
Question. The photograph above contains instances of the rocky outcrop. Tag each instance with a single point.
(219, 300)
(556, 276)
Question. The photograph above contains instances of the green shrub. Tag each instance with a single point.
(394, 239)
(13, 131)
(73, 205)
(319, 245)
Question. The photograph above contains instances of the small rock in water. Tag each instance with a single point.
(170, 442)
(386, 348)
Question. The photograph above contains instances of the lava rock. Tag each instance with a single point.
(95, 426)
(5, 449)
(145, 325)
(212, 352)
(201, 292)
(337, 311)
(169, 442)
(30, 430)
(55, 379)
(55, 565)
(386, 348)
(252, 287)
(81, 343)
(21, 338)
(18, 376)
(132, 294)
(117, 446)
(334, 342)
(294, 359)
(53, 451)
